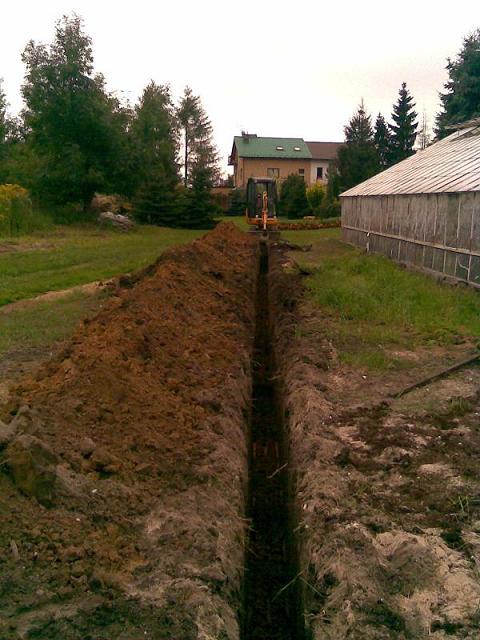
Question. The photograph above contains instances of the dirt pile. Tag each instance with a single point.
(123, 465)
(387, 495)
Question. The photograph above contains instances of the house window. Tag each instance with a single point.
(301, 172)
(273, 173)
(319, 173)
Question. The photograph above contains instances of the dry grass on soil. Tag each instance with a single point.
(387, 493)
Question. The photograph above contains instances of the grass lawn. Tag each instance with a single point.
(376, 310)
(70, 255)
(45, 322)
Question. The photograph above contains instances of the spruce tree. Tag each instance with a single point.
(404, 129)
(383, 141)
(357, 159)
(154, 134)
(154, 138)
(195, 208)
(461, 100)
(156, 201)
(199, 149)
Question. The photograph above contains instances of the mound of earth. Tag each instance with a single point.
(123, 464)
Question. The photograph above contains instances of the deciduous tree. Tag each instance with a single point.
(74, 125)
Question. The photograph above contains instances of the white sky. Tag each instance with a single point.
(273, 68)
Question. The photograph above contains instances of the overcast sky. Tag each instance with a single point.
(271, 68)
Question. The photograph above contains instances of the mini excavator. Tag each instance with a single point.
(261, 211)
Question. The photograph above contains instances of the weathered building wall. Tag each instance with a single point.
(439, 232)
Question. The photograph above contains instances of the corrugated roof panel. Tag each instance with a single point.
(450, 165)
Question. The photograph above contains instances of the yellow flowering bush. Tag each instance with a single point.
(16, 214)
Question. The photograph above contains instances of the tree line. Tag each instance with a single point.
(371, 148)
(74, 138)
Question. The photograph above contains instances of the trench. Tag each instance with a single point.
(271, 602)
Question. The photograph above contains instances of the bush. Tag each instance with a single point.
(329, 209)
(315, 196)
(293, 197)
(238, 202)
(156, 201)
(16, 212)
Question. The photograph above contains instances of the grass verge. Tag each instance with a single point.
(68, 256)
(44, 323)
(375, 310)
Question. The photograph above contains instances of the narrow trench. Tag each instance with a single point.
(271, 597)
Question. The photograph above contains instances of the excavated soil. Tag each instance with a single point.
(387, 493)
(123, 464)
(145, 492)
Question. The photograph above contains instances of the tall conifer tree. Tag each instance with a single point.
(461, 100)
(383, 141)
(199, 149)
(404, 127)
(357, 159)
(154, 136)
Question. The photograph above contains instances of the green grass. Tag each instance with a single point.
(373, 306)
(43, 323)
(73, 255)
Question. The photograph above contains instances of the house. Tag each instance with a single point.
(255, 156)
(425, 210)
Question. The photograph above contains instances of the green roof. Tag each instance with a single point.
(255, 147)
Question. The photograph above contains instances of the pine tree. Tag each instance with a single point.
(461, 100)
(383, 141)
(404, 129)
(357, 159)
(199, 150)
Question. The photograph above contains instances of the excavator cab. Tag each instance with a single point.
(261, 211)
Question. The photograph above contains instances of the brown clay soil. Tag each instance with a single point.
(387, 492)
(123, 463)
